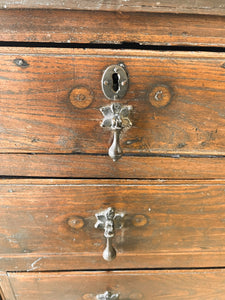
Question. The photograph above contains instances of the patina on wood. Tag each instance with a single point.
(6, 292)
(57, 26)
(177, 99)
(50, 101)
(138, 285)
(81, 166)
(48, 223)
(166, 6)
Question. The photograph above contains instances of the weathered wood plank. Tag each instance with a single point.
(115, 27)
(167, 6)
(37, 114)
(167, 224)
(81, 166)
(168, 285)
(5, 287)
(70, 261)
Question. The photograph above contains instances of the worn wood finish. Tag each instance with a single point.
(84, 166)
(144, 285)
(167, 224)
(6, 289)
(166, 6)
(50, 102)
(37, 115)
(70, 261)
(115, 27)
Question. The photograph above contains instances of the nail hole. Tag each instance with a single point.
(20, 62)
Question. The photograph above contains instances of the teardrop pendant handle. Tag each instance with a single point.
(115, 151)
(106, 220)
(116, 118)
(109, 253)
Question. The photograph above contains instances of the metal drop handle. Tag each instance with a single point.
(107, 296)
(116, 118)
(108, 220)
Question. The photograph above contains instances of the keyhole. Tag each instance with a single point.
(115, 79)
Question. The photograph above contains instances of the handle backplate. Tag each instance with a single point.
(107, 296)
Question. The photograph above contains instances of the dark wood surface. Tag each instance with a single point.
(115, 27)
(168, 6)
(142, 285)
(167, 224)
(48, 225)
(84, 166)
(37, 115)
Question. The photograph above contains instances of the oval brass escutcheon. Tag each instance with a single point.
(115, 82)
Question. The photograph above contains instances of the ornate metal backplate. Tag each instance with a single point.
(108, 296)
(115, 82)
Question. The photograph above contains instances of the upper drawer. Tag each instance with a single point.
(87, 26)
(50, 101)
(49, 223)
(202, 6)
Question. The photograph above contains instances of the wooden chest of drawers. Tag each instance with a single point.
(112, 125)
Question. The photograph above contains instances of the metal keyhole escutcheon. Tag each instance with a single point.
(115, 82)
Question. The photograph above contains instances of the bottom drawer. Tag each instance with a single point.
(132, 285)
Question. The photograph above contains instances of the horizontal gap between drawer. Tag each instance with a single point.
(113, 179)
(119, 269)
(123, 45)
(125, 154)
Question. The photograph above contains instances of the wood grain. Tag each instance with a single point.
(6, 289)
(38, 117)
(115, 27)
(144, 285)
(167, 224)
(84, 166)
(168, 6)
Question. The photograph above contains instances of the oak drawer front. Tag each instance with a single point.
(143, 285)
(165, 224)
(50, 101)
(114, 27)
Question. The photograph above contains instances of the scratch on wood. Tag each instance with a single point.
(33, 264)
